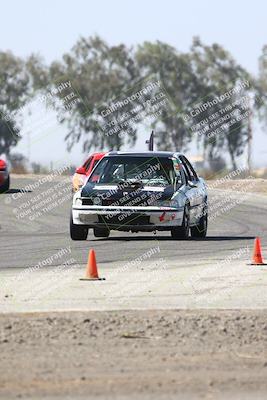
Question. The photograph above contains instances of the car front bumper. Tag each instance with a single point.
(128, 218)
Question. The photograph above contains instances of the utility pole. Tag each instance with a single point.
(150, 142)
(250, 137)
(29, 145)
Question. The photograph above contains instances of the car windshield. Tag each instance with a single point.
(152, 171)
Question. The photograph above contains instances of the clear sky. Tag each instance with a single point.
(51, 27)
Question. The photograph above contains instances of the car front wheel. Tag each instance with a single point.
(200, 230)
(182, 232)
(77, 232)
(5, 187)
(101, 232)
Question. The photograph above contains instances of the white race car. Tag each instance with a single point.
(148, 191)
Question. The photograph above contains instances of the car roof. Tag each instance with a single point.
(97, 155)
(144, 153)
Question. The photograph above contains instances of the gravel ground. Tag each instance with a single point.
(252, 185)
(134, 355)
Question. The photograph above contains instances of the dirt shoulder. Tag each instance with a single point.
(254, 185)
(134, 354)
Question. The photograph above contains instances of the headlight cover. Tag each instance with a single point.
(78, 201)
(166, 203)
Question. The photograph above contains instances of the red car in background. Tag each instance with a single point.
(81, 173)
(4, 176)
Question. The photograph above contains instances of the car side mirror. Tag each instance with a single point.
(81, 171)
(192, 184)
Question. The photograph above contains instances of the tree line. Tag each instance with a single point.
(118, 92)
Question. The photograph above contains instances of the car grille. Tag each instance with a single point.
(131, 201)
(87, 202)
(121, 219)
(108, 202)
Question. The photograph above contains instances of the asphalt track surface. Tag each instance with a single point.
(151, 349)
(28, 238)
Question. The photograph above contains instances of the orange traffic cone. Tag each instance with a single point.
(91, 273)
(257, 256)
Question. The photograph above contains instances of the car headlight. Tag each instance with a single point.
(166, 203)
(78, 202)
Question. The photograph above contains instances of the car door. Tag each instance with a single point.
(195, 192)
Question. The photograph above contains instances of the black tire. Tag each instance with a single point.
(5, 187)
(200, 230)
(182, 232)
(101, 232)
(77, 232)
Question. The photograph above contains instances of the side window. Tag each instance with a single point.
(187, 177)
(190, 170)
(87, 163)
